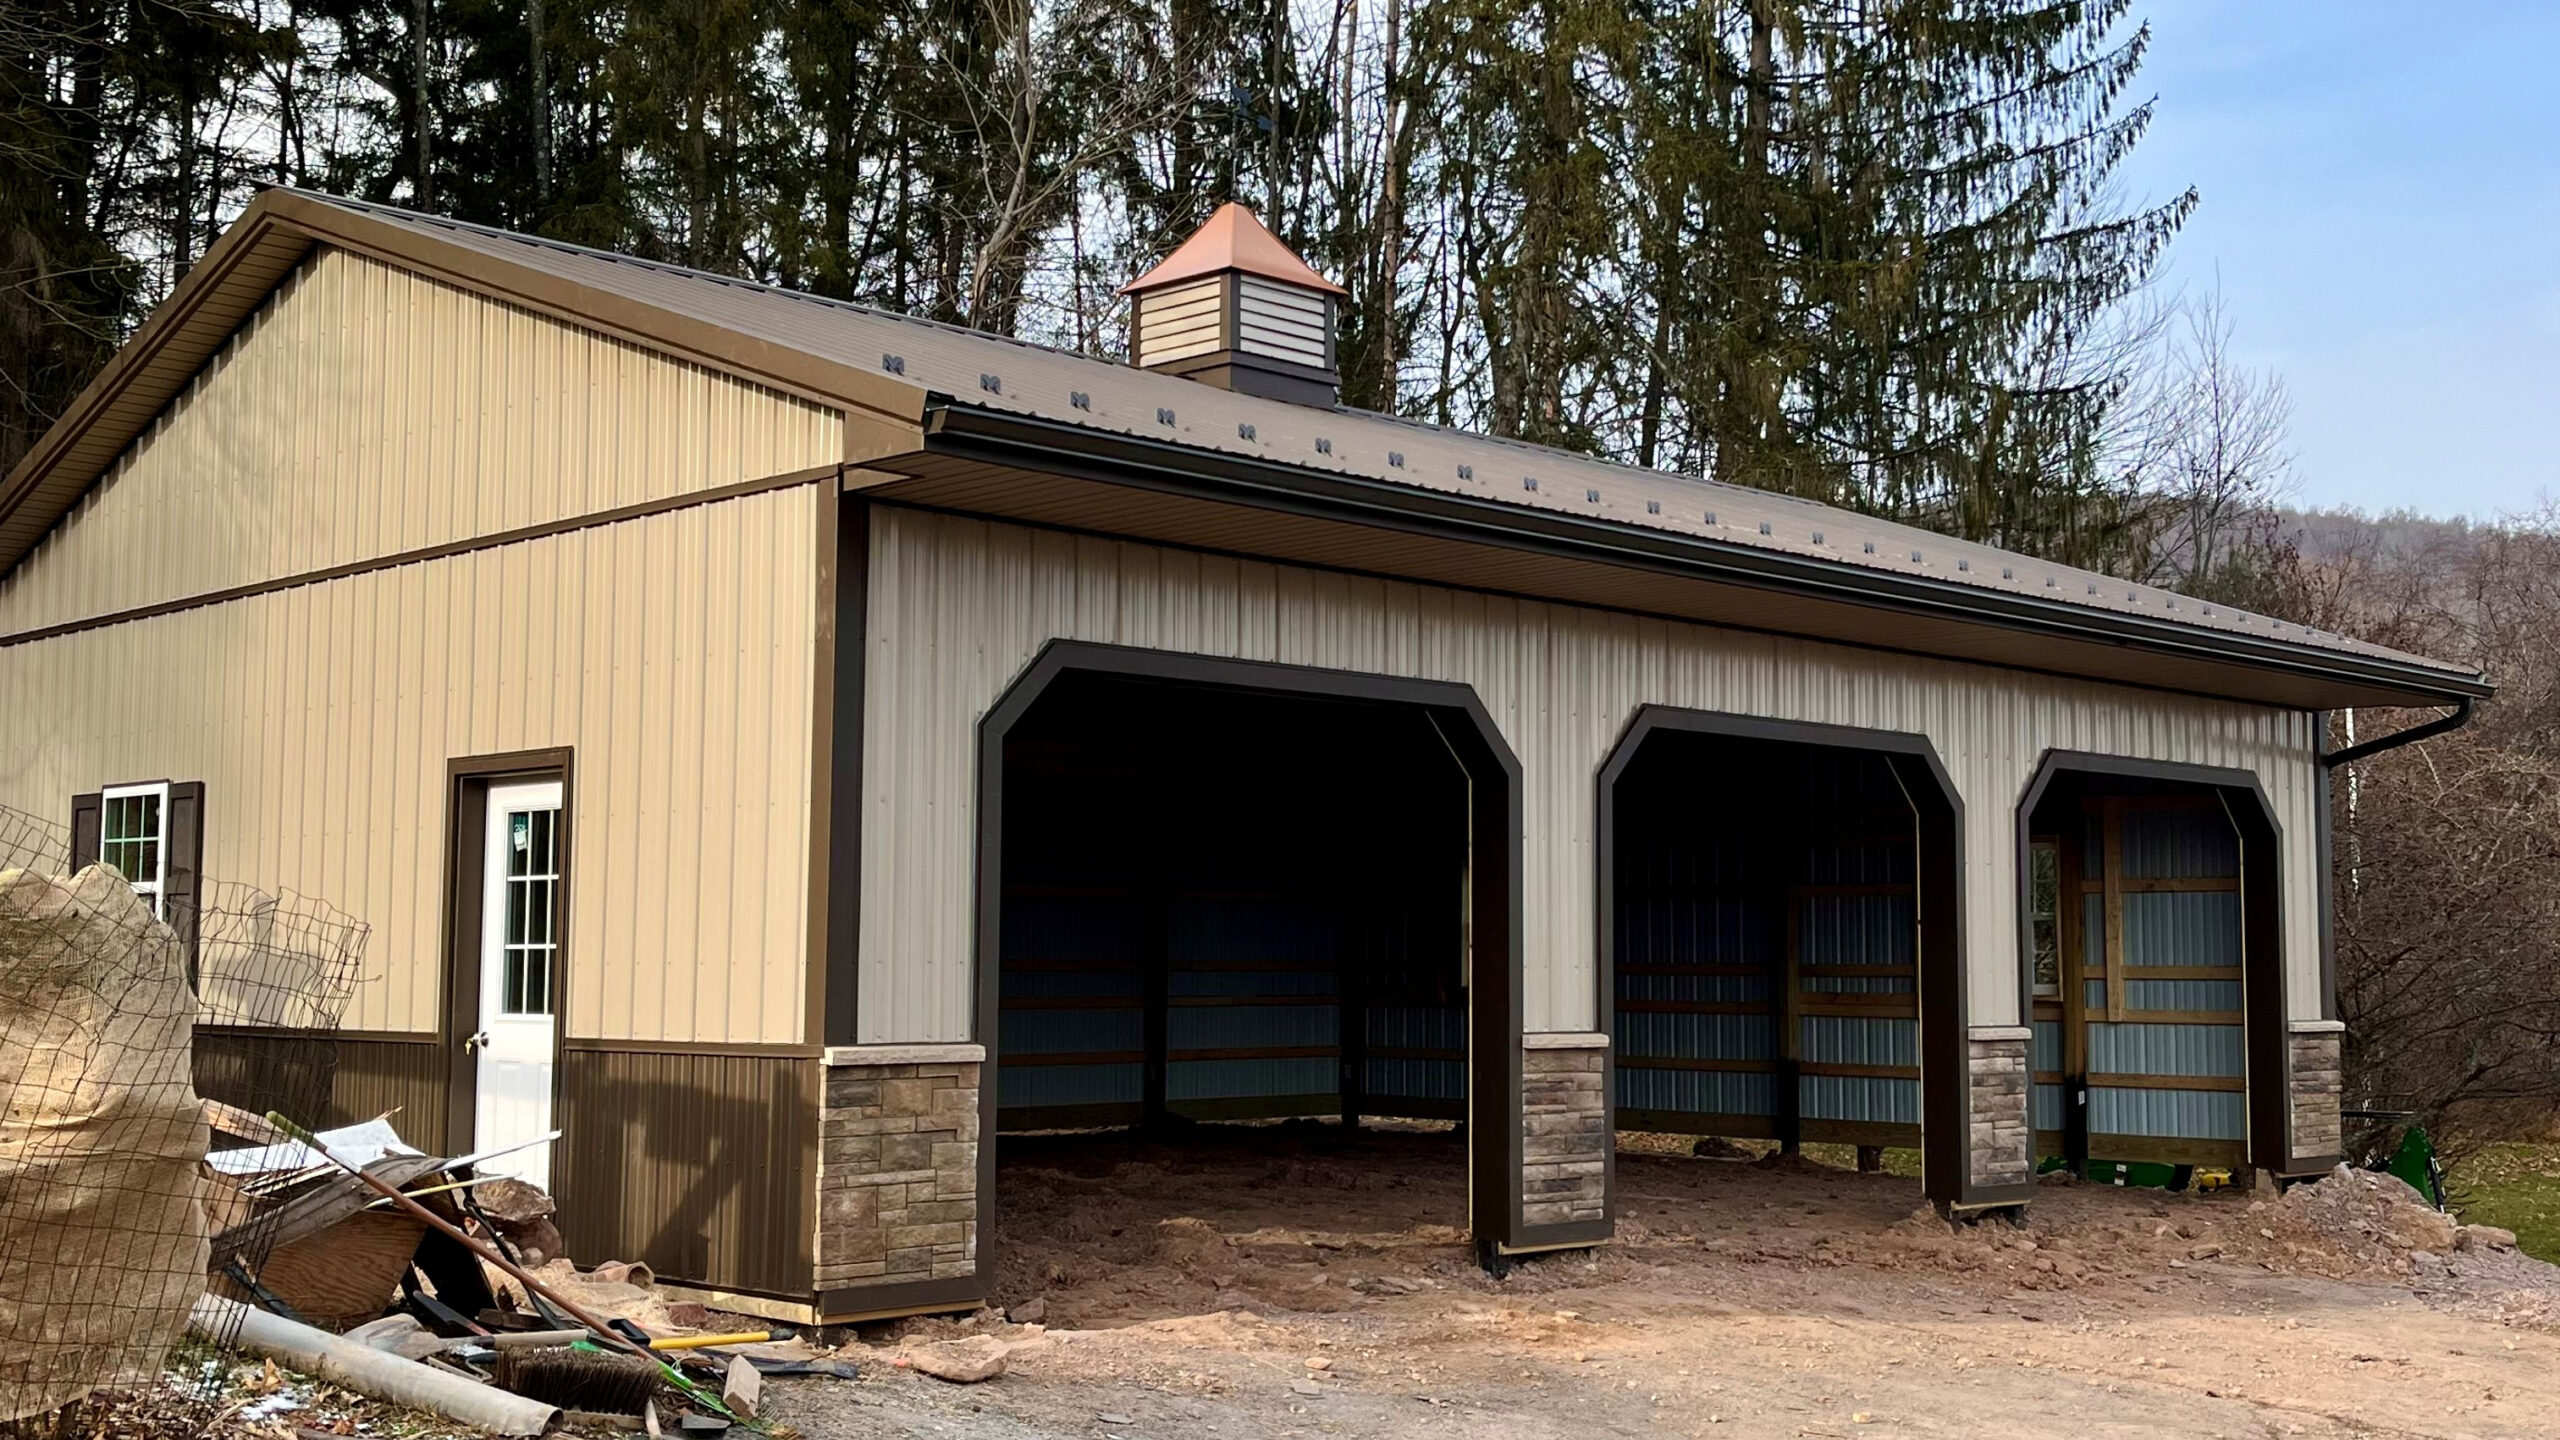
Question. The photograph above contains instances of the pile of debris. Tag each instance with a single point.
(487, 1323)
(2372, 1221)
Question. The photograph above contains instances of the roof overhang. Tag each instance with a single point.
(256, 254)
(1044, 472)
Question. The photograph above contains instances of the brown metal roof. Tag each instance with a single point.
(907, 372)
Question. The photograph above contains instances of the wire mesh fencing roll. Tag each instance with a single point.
(111, 1220)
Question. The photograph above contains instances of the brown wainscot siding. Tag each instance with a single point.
(348, 1075)
(701, 1162)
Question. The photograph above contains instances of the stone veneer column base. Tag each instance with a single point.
(898, 1165)
(1565, 1139)
(2316, 1052)
(2000, 1150)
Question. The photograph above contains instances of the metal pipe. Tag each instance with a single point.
(2441, 725)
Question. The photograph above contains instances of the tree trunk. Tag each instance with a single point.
(540, 103)
(421, 76)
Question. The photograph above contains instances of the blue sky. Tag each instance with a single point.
(2381, 203)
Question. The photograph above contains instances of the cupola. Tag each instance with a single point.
(1234, 308)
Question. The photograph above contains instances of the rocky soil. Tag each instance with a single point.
(1293, 1281)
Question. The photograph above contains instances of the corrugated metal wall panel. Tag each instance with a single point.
(2045, 1050)
(1857, 1040)
(365, 411)
(1859, 1098)
(1695, 1092)
(2046, 1103)
(1859, 929)
(673, 653)
(2167, 1114)
(2178, 843)
(2196, 927)
(959, 606)
(2183, 995)
(2131, 1049)
(1415, 1027)
(1706, 1037)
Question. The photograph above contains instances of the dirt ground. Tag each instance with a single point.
(1294, 1281)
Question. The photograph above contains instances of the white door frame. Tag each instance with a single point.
(513, 1040)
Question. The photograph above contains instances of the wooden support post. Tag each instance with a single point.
(1351, 1023)
(1786, 1098)
(2071, 944)
(2112, 811)
(1155, 979)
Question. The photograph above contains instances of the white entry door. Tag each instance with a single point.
(519, 977)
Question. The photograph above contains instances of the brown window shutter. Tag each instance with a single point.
(88, 815)
(184, 892)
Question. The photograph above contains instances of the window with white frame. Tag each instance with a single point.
(133, 836)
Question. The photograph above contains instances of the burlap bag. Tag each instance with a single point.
(102, 1235)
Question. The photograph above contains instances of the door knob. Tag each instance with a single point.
(475, 1040)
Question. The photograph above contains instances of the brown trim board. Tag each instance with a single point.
(1945, 1046)
(640, 510)
(2265, 1028)
(735, 1049)
(1494, 999)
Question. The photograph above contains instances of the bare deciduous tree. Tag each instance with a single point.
(2448, 890)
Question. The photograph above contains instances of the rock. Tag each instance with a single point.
(1319, 1362)
(1109, 1418)
(2203, 1252)
(1306, 1387)
(691, 1314)
(962, 1362)
(2484, 1237)
(511, 1202)
(1031, 1312)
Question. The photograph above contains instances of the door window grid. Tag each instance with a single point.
(133, 835)
(529, 943)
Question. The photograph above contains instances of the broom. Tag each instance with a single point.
(579, 1377)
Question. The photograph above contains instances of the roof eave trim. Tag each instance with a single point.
(1033, 442)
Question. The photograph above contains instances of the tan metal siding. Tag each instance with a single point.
(365, 411)
(958, 606)
(673, 652)
(1179, 323)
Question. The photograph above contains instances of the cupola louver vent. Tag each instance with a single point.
(1234, 308)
